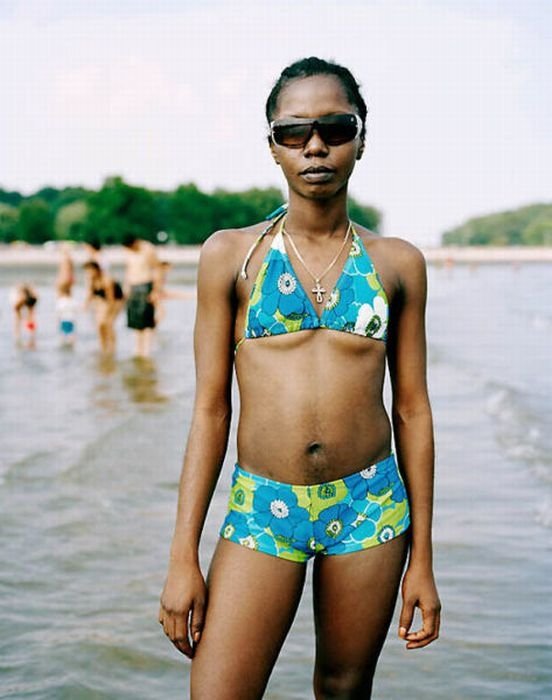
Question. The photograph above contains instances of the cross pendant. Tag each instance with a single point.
(319, 291)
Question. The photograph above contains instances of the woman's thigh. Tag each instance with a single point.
(101, 309)
(115, 309)
(354, 597)
(252, 600)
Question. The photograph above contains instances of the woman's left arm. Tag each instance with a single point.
(413, 429)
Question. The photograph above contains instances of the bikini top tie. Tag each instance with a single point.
(279, 304)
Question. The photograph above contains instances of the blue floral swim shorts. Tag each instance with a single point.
(336, 517)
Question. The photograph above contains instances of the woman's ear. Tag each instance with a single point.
(273, 150)
(360, 150)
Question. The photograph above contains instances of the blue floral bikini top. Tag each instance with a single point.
(279, 304)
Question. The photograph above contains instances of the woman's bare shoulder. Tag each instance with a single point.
(227, 248)
(399, 251)
(403, 252)
(409, 264)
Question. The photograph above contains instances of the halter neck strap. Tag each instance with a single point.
(253, 248)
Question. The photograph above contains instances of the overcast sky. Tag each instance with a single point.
(165, 92)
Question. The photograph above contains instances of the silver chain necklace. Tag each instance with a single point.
(318, 290)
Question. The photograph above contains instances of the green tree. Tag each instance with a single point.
(8, 223)
(14, 199)
(119, 209)
(187, 215)
(47, 194)
(34, 224)
(263, 201)
(194, 215)
(365, 216)
(69, 222)
(530, 225)
(162, 208)
(68, 195)
(539, 232)
(191, 217)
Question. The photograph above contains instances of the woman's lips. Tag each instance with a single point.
(317, 175)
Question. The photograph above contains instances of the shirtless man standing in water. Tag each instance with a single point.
(141, 287)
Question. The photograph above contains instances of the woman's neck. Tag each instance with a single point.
(317, 219)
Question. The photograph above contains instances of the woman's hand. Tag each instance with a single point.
(419, 591)
(182, 609)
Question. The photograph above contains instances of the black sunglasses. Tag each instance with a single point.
(333, 129)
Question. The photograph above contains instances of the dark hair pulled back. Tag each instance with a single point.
(309, 67)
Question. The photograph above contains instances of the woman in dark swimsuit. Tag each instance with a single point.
(310, 310)
(107, 299)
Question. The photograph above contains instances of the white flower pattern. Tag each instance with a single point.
(279, 509)
(355, 249)
(372, 320)
(334, 528)
(333, 301)
(387, 533)
(286, 283)
(369, 472)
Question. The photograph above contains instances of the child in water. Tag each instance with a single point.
(66, 308)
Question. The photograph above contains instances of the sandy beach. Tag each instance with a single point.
(16, 255)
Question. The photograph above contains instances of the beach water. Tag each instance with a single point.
(90, 458)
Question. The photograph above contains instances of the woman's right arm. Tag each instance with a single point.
(184, 596)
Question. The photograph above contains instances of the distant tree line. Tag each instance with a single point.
(185, 216)
(530, 225)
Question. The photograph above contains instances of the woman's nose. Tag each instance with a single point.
(315, 145)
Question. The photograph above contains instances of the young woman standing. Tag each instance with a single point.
(107, 299)
(310, 311)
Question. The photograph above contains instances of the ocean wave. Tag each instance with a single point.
(86, 463)
(30, 467)
(520, 428)
(544, 513)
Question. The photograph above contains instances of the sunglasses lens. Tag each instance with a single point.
(334, 130)
(291, 135)
(339, 129)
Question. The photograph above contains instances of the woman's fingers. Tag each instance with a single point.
(196, 623)
(405, 620)
(175, 626)
(182, 608)
(180, 639)
(431, 619)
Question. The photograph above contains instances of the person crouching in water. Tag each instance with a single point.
(23, 299)
(142, 287)
(107, 298)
